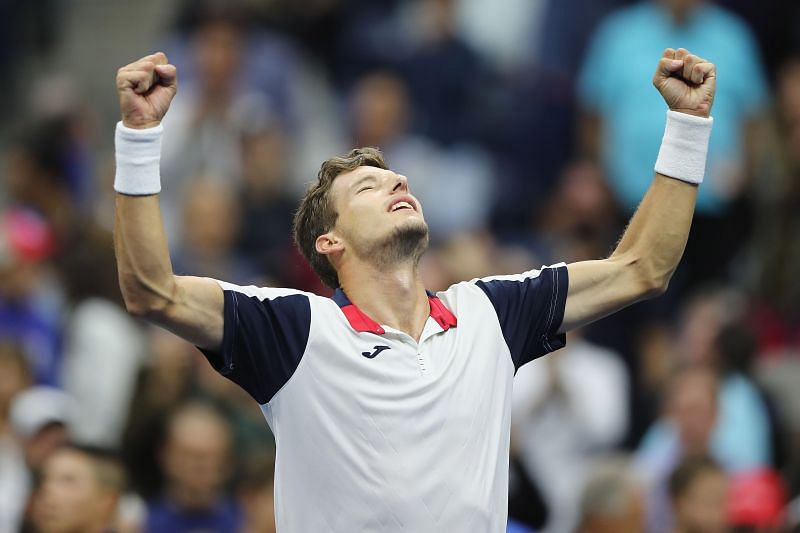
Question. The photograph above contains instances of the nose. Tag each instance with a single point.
(401, 183)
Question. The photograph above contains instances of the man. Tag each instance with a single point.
(196, 462)
(79, 491)
(391, 406)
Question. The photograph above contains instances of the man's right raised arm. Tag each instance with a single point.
(190, 307)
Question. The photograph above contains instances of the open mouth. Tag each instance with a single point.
(401, 204)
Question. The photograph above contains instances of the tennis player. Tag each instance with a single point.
(390, 405)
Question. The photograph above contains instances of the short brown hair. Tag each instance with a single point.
(688, 470)
(317, 215)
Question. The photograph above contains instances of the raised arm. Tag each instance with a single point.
(648, 254)
(190, 307)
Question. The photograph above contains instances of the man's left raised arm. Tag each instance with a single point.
(652, 245)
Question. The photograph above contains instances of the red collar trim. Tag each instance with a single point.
(360, 322)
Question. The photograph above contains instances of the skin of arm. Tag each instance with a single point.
(648, 253)
(188, 306)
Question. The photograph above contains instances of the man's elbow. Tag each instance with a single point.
(653, 280)
(655, 286)
(143, 301)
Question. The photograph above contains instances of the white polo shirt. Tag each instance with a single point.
(374, 431)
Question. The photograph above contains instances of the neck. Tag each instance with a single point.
(395, 297)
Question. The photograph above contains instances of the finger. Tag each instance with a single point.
(681, 53)
(666, 67)
(669, 53)
(168, 74)
(140, 81)
(703, 71)
(158, 58)
(689, 74)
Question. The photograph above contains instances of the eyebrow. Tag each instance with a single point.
(360, 181)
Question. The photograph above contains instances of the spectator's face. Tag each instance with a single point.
(681, 8)
(210, 220)
(377, 215)
(702, 508)
(70, 498)
(380, 110)
(196, 458)
(218, 57)
(693, 410)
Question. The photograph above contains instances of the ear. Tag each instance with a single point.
(329, 243)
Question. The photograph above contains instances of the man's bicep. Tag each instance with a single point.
(197, 312)
(597, 289)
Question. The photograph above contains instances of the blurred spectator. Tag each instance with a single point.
(102, 355)
(14, 378)
(698, 490)
(255, 493)
(712, 335)
(29, 310)
(691, 411)
(219, 101)
(78, 490)
(48, 171)
(164, 381)
(197, 461)
(40, 418)
(265, 204)
(568, 408)
(774, 250)
(210, 233)
(756, 501)
(447, 80)
(624, 116)
(381, 117)
(612, 499)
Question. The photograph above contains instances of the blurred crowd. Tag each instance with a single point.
(529, 130)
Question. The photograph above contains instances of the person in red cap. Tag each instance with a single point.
(756, 501)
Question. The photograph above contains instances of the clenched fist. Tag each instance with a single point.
(146, 87)
(687, 82)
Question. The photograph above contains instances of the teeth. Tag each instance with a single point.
(401, 205)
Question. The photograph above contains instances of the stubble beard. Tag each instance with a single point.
(405, 244)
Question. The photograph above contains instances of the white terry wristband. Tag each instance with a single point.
(685, 147)
(138, 154)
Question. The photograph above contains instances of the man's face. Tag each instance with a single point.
(378, 217)
(70, 497)
(196, 456)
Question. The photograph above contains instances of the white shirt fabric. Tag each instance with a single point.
(374, 431)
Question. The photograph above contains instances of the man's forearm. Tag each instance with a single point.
(656, 236)
(145, 270)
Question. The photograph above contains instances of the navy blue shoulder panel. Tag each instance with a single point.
(263, 341)
(530, 311)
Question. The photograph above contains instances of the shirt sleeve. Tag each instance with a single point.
(265, 335)
(530, 309)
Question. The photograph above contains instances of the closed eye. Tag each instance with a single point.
(362, 189)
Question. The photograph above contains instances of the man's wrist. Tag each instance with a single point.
(138, 156)
(684, 148)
